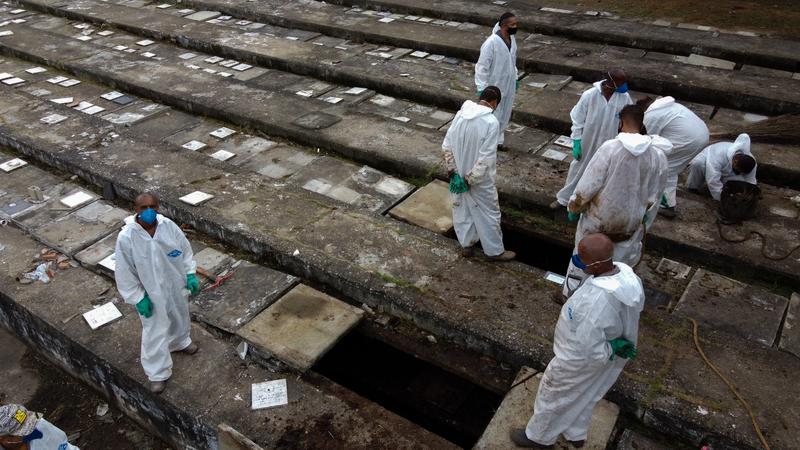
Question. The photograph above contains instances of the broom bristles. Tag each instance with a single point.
(783, 129)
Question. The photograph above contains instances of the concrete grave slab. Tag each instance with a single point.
(244, 146)
(790, 336)
(202, 16)
(526, 139)
(733, 306)
(251, 289)
(317, 120)
(53, 209)
(212, 260)
(546, 81)
(429, 207)
(167, 123)
(81, 228)
(91, 256)
(280, 162)
(728, 119)
(517, 408)
(361, 186)
(765, 71)
(134, 111)
(706, 61)
(301, 327)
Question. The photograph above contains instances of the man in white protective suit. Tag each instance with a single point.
(497, 66)
(721, 162)
(595, 336)
(594, 121)
(619, 193)
(28, 430)
(155, 271)
(470, 154)
(687, 133)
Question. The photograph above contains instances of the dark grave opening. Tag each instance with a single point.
(433, 398)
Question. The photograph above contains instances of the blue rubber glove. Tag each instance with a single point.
(576, 149)
(623, 348)
(517, 86)
(145, 306)
(192, 284)
(573, 217)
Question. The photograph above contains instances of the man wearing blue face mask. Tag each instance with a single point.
(155, 270)
(595, 336)
(595, 119)
(497, 66)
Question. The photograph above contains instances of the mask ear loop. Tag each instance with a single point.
(611, 79)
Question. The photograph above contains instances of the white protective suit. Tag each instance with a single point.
(713, 166)
(470, 149)
(157, 265)
(687, 133)
(594, 121)
(53, 438)
(497, 66)
(623, 182)
(580, 374)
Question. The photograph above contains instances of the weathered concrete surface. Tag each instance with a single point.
(424, 81)
(404, 270)
(81, 228)
(517, 408)
(760, 51)
(301, 326)
(522, 179)
(732, 306)
(98, 251)
(429, 207)
(19, 382)
(631, 440)
(790, 335)
(107, 359)
(251, 289)
(578, 59)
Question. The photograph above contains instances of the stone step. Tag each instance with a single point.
(409, 271)
(595, 27)
(790, 334)
(523, 180)
(582, 60)
(107, 359)
(517, 408)
(548, 107)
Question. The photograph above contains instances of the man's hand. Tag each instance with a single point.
(145, 307)
(623, 348)
(573, 217)
(192, 284)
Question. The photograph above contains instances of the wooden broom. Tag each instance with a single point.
(783, 129)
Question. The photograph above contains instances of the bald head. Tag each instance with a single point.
(594, 248)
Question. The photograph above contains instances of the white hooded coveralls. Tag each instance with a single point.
(714, 166)
(470, 149)
(594, 121)
(53, 438)
(580, 374)
(497, 66)
(157, 265)
(687, 133)
(623, 182)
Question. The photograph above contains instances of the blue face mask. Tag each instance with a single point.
(623, 89)
(35, 434)
(148, 216)
(578, 262)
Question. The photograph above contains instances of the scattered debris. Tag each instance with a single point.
(102, 409)
(431, 338)
(102, 315)
(242, 349)
(269, 393)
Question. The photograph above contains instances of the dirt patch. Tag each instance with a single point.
(777, 17)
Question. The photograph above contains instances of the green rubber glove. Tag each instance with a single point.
(145, 307)
(192, 284)
(573, 217)
(517, 87)
(576, 149)
(480, 92)
(664, 201)
(622, 348)
(458, 185)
